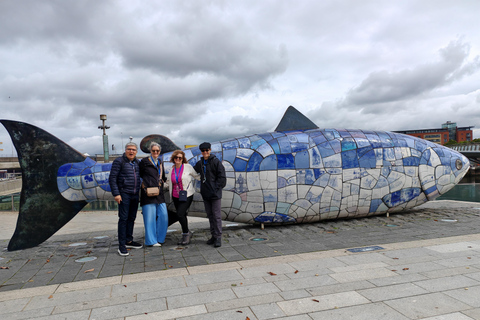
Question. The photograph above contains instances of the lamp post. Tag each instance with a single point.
(103, 117)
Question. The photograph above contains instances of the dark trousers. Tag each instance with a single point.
(181, 207)
(127, 213)
(214, 214)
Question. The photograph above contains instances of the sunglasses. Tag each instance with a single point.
(205, 150)
(155, 150)
(179, 158)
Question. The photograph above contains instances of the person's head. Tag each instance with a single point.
(131, 150)
(178, 156)
(154, 149)
(205, 148)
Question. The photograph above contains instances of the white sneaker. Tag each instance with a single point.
(157, 245)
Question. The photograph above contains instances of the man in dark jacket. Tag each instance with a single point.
(125, 185)
(213, 180)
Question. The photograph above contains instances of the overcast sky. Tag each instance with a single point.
(199, 71)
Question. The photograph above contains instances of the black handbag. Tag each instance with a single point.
(182, 194)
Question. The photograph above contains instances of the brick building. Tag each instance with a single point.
(448, 131)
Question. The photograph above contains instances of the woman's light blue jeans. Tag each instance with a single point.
(155, 218)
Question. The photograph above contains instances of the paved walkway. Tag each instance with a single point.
(425, 265)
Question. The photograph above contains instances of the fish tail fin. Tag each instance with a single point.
(43, 210)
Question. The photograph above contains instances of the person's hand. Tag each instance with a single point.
(118, 199)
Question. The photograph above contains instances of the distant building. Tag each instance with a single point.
(448, 131)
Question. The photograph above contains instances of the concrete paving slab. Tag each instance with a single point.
(267, 311)
(319, 303)
(447, 283)
(427, 305)
(392, 292)
(362, 312)
(469, 295)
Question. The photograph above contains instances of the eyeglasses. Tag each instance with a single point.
(129, 149)
(205, 150)
(179, 158)
(155, 150)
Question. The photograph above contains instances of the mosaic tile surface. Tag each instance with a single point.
(306, 176)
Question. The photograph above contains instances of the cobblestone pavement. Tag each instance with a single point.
(56, 260)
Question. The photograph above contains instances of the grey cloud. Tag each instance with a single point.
(385, 86)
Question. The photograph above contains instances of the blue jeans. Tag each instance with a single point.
(127, 213)
(155, 218)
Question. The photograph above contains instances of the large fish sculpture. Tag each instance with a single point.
(296, 174)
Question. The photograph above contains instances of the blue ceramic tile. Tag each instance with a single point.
(388, 154)
(219, 155)
(284, 145)
(74, 182)
(411, 161)
(283, 207)
(286, 161)
(254, 162)
(79, 165)
(217, 147)
(302, 160)
(374, 140)
(325, 149)
(278, 134)
(318, 173)
(265, 150)
(281, 182)
(368, 160)
(305, 176)
(195, 151)
(420, 145)
(350, 159)
(275, 146)
(240, 165)
(266, 136)
(315, 158)
(318, 140)
(297, 147)
(75, 172)
(241, 184)
(374, 204)
(88, 181)
(106, 187)
(244, 154)
(244, 143)
(88, 171)
(269, 163)
(229, 144)
(62, 184)
(336, 146)
(348, 144)
(401, 196)
(344, 133)
(90, 194)
(357, 134)
(63, 170)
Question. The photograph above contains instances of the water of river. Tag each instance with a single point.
(467, 190)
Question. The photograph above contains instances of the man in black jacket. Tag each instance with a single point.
(213, 180)
(124, 182)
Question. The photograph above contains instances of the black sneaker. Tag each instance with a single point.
(218, 242)
(133, 245)
(123, 251)
(211, 240)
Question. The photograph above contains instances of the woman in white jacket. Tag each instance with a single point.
(180, 178)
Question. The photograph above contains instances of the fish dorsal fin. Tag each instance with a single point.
(295, 120)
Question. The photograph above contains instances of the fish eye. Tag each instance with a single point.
(458, 164)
